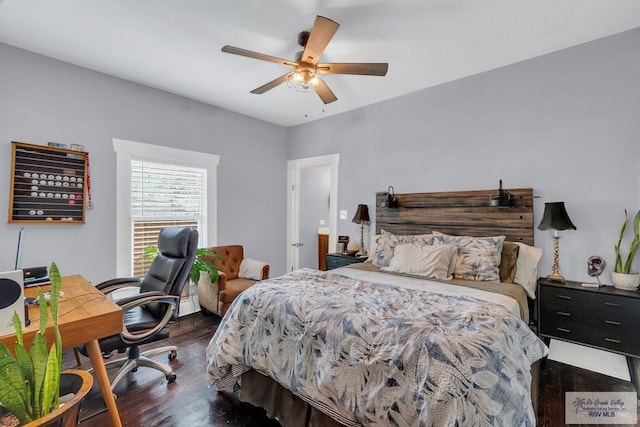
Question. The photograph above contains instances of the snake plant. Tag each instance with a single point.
(30, 381)
(625, 267)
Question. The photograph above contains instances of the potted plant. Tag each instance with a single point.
(32, 381)
(623, 277)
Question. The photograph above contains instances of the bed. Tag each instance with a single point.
(377, 343)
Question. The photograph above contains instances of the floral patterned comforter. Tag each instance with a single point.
(379, 355)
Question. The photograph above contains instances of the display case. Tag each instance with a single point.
(47, 185)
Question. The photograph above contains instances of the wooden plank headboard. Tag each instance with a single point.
(458, 213)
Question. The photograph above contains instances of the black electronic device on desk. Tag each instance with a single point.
(35, 276)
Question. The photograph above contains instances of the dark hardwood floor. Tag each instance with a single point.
(146, 400)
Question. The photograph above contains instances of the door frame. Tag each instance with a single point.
(293, 201)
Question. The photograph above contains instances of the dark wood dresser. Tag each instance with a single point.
(339, 260)
(605, 318)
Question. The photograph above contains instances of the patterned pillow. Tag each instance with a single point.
(478, 257)
(418, 239)
(384, 249)
(388, 241)
(373, 247)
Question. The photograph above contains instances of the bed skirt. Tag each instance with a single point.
(291, 411)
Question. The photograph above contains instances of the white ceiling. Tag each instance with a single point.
(174, 45)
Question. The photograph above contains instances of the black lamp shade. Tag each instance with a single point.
(555, 217)
(362, 215)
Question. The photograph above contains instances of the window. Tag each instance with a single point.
(162, 195)
(156, 187)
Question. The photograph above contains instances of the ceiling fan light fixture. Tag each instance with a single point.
(302, 80)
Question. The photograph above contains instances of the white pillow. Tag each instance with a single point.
(251, 269)
(527, 268)
(422, 260)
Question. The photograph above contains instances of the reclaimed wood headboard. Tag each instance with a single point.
(458, 213)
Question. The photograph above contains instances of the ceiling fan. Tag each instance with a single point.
(306, 69)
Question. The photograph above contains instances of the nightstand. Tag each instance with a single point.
(605, 318)
(339, 260)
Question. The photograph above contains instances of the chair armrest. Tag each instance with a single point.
(156, 297)
(111, 285)
(222, 281)
(265, 272)
(127, 303)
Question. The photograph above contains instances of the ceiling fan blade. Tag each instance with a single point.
(273, 83)
(365, 69)
(255, 55)
(320, 36)
(323, 91)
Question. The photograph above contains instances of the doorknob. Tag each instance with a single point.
(297, 245)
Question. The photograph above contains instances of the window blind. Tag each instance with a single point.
(163, 195)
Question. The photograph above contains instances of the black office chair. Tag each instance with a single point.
(146, 315)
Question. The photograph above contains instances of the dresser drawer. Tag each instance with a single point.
(614, 304)
(335, 261)
(613, 331)
(559, 295)
(590, 300)
(564, 321)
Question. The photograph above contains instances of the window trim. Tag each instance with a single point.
(125, 151)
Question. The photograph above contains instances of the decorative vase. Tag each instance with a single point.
(72, 381)
(352, 247)
(628, 282)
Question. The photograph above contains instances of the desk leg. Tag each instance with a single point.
(103, 380)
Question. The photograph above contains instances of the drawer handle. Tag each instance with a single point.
(612, 340)
(562, 313)
(611, 304)
(563, 296)
(612, 322)
(564, 330)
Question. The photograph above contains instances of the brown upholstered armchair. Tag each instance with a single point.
(235, 274)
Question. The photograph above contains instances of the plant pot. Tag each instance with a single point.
(628, 282)
(72, 381)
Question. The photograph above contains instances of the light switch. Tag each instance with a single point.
(343, 214)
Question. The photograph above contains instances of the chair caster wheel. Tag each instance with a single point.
(171, 378)
(173, 356)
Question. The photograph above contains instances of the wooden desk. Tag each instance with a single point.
(85, 314)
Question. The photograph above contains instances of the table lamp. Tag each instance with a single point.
(361, 217)
(555, 217)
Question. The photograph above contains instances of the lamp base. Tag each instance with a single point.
(556, 277)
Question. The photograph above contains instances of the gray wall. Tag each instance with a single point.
(45, 100)
(566, 124)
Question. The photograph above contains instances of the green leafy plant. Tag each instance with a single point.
(200, 264)
(30, 381)
(625, 267)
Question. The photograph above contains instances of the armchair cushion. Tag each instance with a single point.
(251, 269)
(235, 288)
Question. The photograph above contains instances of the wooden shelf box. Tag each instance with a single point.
(48, 185)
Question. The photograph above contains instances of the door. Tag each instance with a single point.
(312, 200)
(314, 191)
